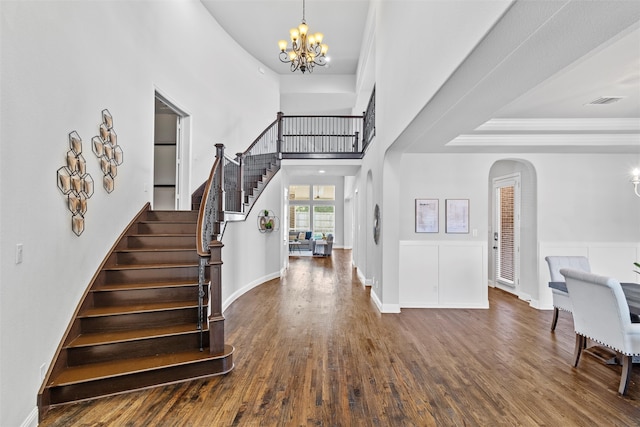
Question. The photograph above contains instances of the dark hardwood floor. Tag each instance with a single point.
(312, 349)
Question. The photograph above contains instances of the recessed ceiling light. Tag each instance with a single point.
(321, 171)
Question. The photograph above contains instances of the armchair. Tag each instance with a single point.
(561, 299)
(325, 247)
(601, 313)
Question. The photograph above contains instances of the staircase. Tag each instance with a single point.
(264, 168)
(137, 324)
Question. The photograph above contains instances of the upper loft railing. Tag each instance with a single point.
(369, 119)
(235, 183)
(330, 137)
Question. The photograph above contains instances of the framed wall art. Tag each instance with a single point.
(457, 216)
(427, 216)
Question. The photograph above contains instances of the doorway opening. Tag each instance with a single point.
(506, 233)
(169, 174)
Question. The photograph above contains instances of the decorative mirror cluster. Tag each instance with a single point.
(75, 183)
(105, 147)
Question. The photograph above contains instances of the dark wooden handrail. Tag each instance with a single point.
(206, 211)
(257, 140)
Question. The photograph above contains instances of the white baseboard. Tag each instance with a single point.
(237, 294)
(482, 306)
(361, 277)
(32, 419)
(376, 301)
(384, 308)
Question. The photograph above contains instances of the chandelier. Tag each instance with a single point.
(307, 50)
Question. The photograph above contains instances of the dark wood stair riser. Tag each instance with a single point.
(124, 257)
(172, 216)
(141, 296)
(150, 275)
(125, 322)
(167, 228)
(170, 374)
(77, 356)
(161, 241)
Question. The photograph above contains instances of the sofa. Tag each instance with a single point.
(304, 237)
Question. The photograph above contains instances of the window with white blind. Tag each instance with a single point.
(507, 234)
(299, 218)
(299, 192)
(324, 219)
(324, 192)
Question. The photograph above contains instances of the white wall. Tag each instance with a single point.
(251, 257)
(62, 63)
(585, 205)
(429, 102)
(401, 93)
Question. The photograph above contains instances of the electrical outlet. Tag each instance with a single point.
(19, 253)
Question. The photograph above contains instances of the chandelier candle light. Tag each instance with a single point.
(307, 50)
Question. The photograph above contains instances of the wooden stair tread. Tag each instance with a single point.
(98, 371)
(86, 340)
(149, 285)
(148, 266)
(167, 221)
(138, 308)
(163, 235)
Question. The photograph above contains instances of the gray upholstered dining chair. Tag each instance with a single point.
(561, 299)
(601, 314)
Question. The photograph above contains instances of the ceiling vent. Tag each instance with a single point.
(605, 100)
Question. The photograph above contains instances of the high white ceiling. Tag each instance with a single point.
(550, 114)
(258, 25)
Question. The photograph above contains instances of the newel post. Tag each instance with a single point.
(364, 130)
(216, 319)
(219, 188)
(240, 182)
(280, 132)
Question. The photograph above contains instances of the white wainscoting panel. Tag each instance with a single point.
(463, 276)
(443, 274)
(418, 276)
(613, 259)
